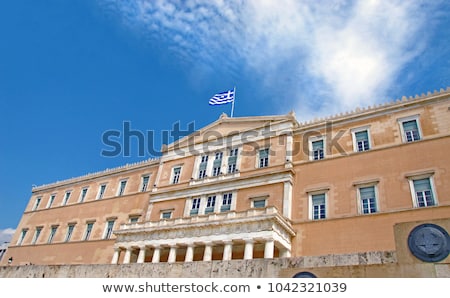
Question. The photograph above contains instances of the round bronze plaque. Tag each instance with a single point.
(429, 243)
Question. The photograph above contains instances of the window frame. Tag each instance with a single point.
(198, 202)
(359, 198)
(69, 232)
(228, 206)
(211, 203)
(122, 187)
(217, 170)
(51, 200)
(37, 233)
(312, 140)
(66, 197)
(37, 202)
(144, 186)
(51, 236)
(414, 198)
(265, 160)
(232, 167)
(203, 160)
(259, 198)
(166, 211)
(256, 202)
(83, 194)
(354, 131)
(22, 236)
(311, 204)
(173, 176)
(100, 192)
(108, 232)
(88, 230)
(401, 121)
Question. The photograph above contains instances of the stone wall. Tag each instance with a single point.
(371, 264)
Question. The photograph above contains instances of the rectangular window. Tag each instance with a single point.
(37, 203)
(317, 150)
(195, 206)
(69, 232)
(166, 214)
(217, 165)
(133, 219)
(231, 168)
(176, 175)
(202, 174)
(202, 167)
(411, 130)
(144, 184)
(226, 202)
(101, 191)
(318, 206)
(122, 186)
(83, 194)
(216, 171)
(51, 200)
(66, 198)
(362, 141)
(36, 235)
(423, 192)
(232, 160)
(22, 236)
(109, 229)
(88, 232)
(264, 158)
(259, 203)
(52, 234)
(368, 200)
(210, 204)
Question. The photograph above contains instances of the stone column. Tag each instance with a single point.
(156, 254)
(268, 249)
(115, 258)
(289, 146)
(127, 257)
(248, 249)
(285, 253)
(207, 255)
(141, 256)
(227, 249)
(189, 253)
(287, 199)
(172, 254)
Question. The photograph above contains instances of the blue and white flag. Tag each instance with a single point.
(222, 98)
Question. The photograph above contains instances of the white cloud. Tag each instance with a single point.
(6, 235)
(336, 54)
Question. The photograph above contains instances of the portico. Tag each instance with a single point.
(255, 233)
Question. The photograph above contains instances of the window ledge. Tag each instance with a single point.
(214, 179)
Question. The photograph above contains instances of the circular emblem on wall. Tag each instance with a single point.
(429, 243)
(304, 274)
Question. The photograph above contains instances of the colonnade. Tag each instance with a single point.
(269, 247)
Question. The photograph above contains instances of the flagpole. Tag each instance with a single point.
(232, 104)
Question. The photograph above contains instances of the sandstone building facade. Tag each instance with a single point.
(263, 187)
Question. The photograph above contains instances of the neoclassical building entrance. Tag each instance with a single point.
(255, 233)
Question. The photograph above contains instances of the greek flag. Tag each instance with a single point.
(222, 98)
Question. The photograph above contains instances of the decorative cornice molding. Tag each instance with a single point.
(256, 223)
(98, 174)
(376, 108)
(281, 175)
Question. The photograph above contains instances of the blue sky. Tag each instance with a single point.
(72, 70)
